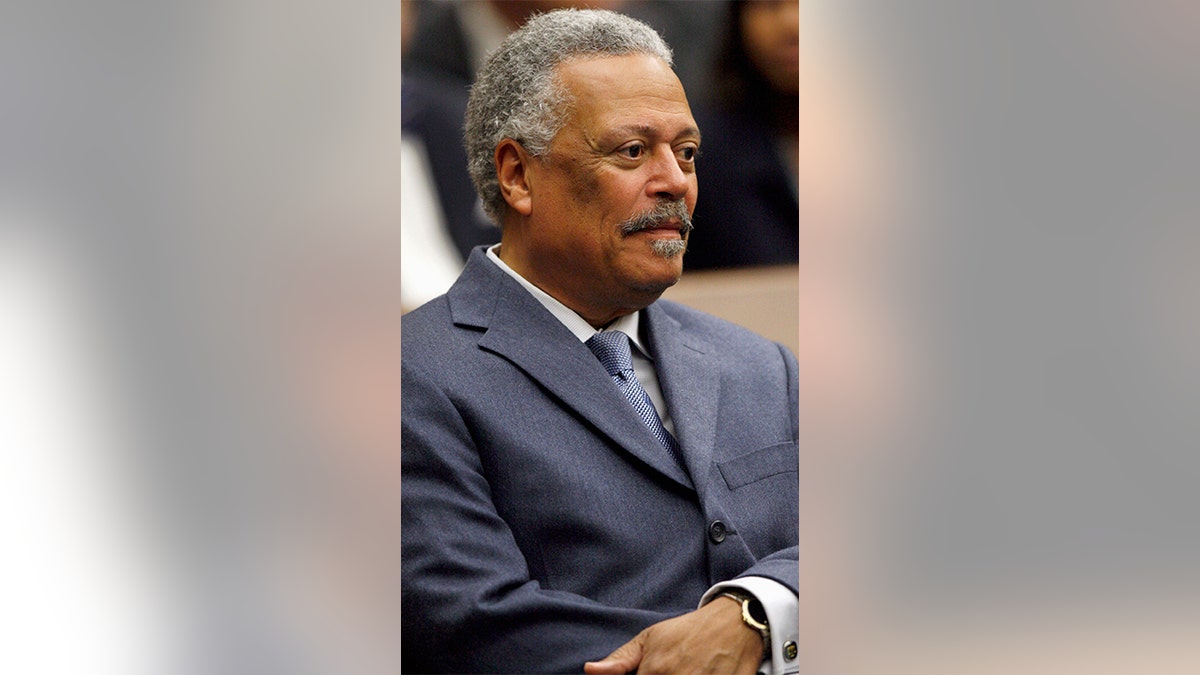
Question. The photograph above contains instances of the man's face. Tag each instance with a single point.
(771, 34)
(629, 145)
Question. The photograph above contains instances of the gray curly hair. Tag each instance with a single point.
(518, 94)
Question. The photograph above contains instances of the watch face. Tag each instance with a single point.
(755, 608)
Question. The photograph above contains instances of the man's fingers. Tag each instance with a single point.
(624, 659)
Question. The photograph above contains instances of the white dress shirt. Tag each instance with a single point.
(643, 363)
(777, 600)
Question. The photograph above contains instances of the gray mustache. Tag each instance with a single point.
(664, 211)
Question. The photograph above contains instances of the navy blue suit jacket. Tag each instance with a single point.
(542, 523)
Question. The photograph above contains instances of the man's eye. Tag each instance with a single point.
(688, 153)
(633, 151)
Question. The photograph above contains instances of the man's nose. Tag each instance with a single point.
(669, 181)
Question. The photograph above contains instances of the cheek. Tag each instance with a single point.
(581, 183)
(756, 28)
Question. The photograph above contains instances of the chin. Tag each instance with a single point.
(664, 274)
(669, 249)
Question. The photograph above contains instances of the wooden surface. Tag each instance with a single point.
(763, 299)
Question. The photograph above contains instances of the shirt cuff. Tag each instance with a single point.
(783, 616)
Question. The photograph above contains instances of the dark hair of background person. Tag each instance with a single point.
(739, 86)
(748, 210)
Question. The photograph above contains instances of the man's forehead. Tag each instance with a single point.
(610, 98)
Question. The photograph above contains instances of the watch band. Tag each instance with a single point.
(759, 623)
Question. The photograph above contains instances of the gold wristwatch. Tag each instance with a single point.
(753, 615)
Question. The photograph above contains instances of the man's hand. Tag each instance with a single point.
(712, 639)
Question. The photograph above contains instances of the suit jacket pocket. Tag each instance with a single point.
(760, 464)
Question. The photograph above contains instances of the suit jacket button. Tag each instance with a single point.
(716, 532)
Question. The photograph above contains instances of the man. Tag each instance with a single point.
(583, 465)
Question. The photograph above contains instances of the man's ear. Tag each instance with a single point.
(512, 164)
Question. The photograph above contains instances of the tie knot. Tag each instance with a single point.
(612, 349)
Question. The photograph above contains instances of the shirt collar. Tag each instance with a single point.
(629, 324)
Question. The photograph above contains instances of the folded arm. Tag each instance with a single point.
(468, 602)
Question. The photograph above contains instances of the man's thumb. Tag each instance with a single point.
(624, 660)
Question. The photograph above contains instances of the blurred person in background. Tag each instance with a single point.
(441, 217)
(453, 37)
(749, 212)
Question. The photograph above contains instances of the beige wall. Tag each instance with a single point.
(764, 299)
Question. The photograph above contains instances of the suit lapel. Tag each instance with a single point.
(691, 384)
(520, 329)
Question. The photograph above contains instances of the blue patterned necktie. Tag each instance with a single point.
(612, 348)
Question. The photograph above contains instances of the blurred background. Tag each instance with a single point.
(991, 292)
(1002, 225)
(199, 337)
